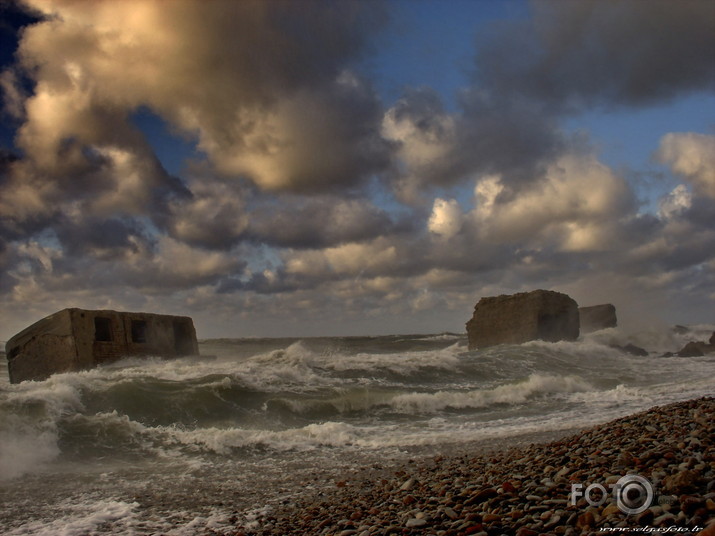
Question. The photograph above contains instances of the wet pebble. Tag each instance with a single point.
(523, 491)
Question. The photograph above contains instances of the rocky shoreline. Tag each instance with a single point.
(528, 490)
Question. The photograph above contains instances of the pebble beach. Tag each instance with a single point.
(525, 490)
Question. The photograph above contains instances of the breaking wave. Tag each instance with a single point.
(260, 397)
(504, 394)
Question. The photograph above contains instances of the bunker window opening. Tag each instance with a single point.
(102, 329)
(139, 331)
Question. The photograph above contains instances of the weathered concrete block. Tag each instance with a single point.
(597, 317)
(77, 339)
(518, 318)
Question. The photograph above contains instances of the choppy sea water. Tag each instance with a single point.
(148, 446)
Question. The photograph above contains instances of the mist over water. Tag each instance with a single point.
(146, 445)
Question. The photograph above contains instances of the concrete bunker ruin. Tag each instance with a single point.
(78, 339)
(527, 316)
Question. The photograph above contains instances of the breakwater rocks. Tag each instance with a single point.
(698, 348)
(527, 491)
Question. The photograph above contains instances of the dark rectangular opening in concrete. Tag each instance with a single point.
(139, 331)
(183, 339)
(102, 329)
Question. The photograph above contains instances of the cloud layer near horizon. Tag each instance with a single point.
(311, 202)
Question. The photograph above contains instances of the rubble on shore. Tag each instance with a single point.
(526, 491)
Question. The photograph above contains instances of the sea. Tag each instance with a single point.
(193, 445)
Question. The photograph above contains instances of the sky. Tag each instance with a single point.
(278, 168)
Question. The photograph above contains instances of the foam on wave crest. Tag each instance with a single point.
(403, 363)
(29, 416)
(514, 393)
(224, 440)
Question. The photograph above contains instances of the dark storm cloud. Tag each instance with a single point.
(212, 216)
(17, 220)
(269, 90)
(319, 222)
(150, 267)
(510, 138)
(572, 55)
(266, 87)
(488, 135)
(261, 283)
(7, 158)
(702, 212)
(101, 238)
(568, 57)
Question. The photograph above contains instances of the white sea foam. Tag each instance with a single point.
(656, 341)
(86, 520)
(29, 415)
(402, 363)
(25, 448)
(445, 337)
(296, 365)
(200, 525)
(223, 441)
(504, 394)
(637, 397)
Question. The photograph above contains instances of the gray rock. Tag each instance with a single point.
(451, 514)
(633, 350)
(407, 485)
(415, 523)
(695, 349)
(698, 348)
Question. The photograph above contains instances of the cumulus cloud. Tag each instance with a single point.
(310, 141)
(299, 119)
(691, 156)
(162, 267)
(675, 202)
(378, 257)
(446, 219)
(579, 206)
(435, 148)
(321, 221)
(424, 136)
(266, 90)
(575, 203)
(306, 192)
(196, 64)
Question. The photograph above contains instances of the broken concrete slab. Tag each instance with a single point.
(78, 339)
(526, 316)
(596, 317)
